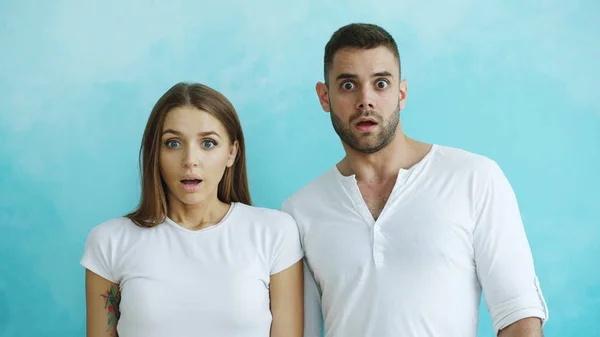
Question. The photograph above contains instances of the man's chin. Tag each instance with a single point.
(365, 147)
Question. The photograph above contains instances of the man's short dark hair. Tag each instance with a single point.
(359, 36)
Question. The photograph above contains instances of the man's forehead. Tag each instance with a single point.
(361, 61)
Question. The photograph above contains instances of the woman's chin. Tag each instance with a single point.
(188, 199)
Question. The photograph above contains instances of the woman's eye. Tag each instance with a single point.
(209, 143)
(172, 144)
(381, 84)
(347, 85)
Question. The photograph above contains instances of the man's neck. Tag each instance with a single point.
(401, 153)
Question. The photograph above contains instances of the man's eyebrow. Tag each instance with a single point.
(382, 74)
(344, 76)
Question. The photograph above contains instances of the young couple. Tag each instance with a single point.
(399, 238)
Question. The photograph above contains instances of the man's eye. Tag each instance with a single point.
(348, 85)
(381, 84)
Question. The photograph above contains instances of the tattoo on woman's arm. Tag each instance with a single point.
(112, 299)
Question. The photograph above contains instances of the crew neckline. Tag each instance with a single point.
(212, 228)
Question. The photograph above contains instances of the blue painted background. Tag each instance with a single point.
(514, 80)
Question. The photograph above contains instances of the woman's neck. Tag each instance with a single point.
(197, 216)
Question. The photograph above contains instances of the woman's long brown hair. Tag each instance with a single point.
(233, 187)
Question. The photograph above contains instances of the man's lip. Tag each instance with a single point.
(365, 119)
(365, 127)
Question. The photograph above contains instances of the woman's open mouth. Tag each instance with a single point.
(191, 185)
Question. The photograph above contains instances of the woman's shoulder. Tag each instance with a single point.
(115, 228)
(262, 213)
(275, 232)
(264, 216)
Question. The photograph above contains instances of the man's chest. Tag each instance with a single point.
(415, 237)
(375, 196)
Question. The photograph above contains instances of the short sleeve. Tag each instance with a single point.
(313, 314)
(98, 255)
(287, 249)
(503, 257)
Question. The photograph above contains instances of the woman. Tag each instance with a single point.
(195, 258)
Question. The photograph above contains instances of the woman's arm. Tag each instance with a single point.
(102, 305)
(287, 298)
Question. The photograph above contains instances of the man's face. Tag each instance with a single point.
(364, 97)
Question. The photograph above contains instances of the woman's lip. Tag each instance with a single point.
(190, 188)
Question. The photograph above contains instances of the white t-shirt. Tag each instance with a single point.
(210, 282)
(451, 227)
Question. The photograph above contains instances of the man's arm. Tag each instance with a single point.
(526, 327)
(504, 260)
(313, 317)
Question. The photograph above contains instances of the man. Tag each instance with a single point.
(401, 236)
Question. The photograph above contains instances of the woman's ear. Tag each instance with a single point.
(233, 151)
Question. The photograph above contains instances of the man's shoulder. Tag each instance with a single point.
(313, 190)
(460, 160)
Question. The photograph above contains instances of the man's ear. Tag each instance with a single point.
(323, 94)
(402, 93)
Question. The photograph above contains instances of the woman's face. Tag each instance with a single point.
(195, 150)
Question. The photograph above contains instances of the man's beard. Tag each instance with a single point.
(367, 144)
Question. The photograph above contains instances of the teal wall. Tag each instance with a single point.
(514, 80)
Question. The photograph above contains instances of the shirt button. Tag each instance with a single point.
(377, 228)
(378, 258)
